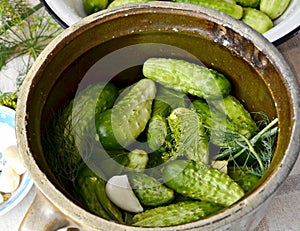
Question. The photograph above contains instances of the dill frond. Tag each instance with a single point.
(24, 31)
(256, 152)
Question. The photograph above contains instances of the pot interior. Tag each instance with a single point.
(114, 48)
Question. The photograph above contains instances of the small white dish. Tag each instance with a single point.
(68, 12)
(8, 138)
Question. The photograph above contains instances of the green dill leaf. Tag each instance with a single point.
(255, 153)
(24, 30)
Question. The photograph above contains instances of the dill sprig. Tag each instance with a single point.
(27, 36)
(24, 32)
(260, 147)
(61, 152)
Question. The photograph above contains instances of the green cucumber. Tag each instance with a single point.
(248, 3)
(227, 7)
(235, 112)
(187, 77)
(87, 195)
(274, 8)
(90, 189)
(165, 101)
(121, 125)
(175, 214)
(157, 132)
(137, 160)
(93, 6)
(225, 120)
(116, 3)
(171, 98)
(202, 182)
(69, 133)
(244, 177)
(148, 190)
(257, 19)
(105, 133)
(78, 116)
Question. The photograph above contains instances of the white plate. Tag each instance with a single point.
(8, 138)
(68, 12)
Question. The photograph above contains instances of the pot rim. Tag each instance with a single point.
(239, 209)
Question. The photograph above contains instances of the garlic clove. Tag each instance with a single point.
(221, 165)
(119, 191)
(1, 199)
(11, 155)
(9, 180)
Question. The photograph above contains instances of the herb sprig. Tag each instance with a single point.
(24, 31)
(257, 152)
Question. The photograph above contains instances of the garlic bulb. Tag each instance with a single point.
(9, 180)
(119, 191)
(11, 155)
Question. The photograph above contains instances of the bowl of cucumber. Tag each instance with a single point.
(277, 20)
(157, 116)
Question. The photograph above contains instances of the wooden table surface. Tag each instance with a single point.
(291, 51)
(284, 212)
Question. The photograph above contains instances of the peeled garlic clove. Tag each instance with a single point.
(221, 165)
(9, 180)
(11, 155)
(119, 191)
(1, 199)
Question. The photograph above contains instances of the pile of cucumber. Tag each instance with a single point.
(258, 14)
(159, 131)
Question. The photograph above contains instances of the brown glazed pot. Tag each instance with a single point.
(260, 78)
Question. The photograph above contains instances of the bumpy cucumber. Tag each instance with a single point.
(149, 190)
(248, 181)
(84, 110)
(91, 190)
(137, 160)
(236, 112)
(87, 195)
(92, 6)
(216, 123)
(225, 119)
(273, 8)
(187, 77)
(122, 124)
(78, 116)
(199, 181)
(243, 177)
(170, 97)
(226, 7)
(166, 100)
(157, 132)
(176, 214)
(257, 19)
(105, 133)
(116, 3)
(69, 134)
(248, 3)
